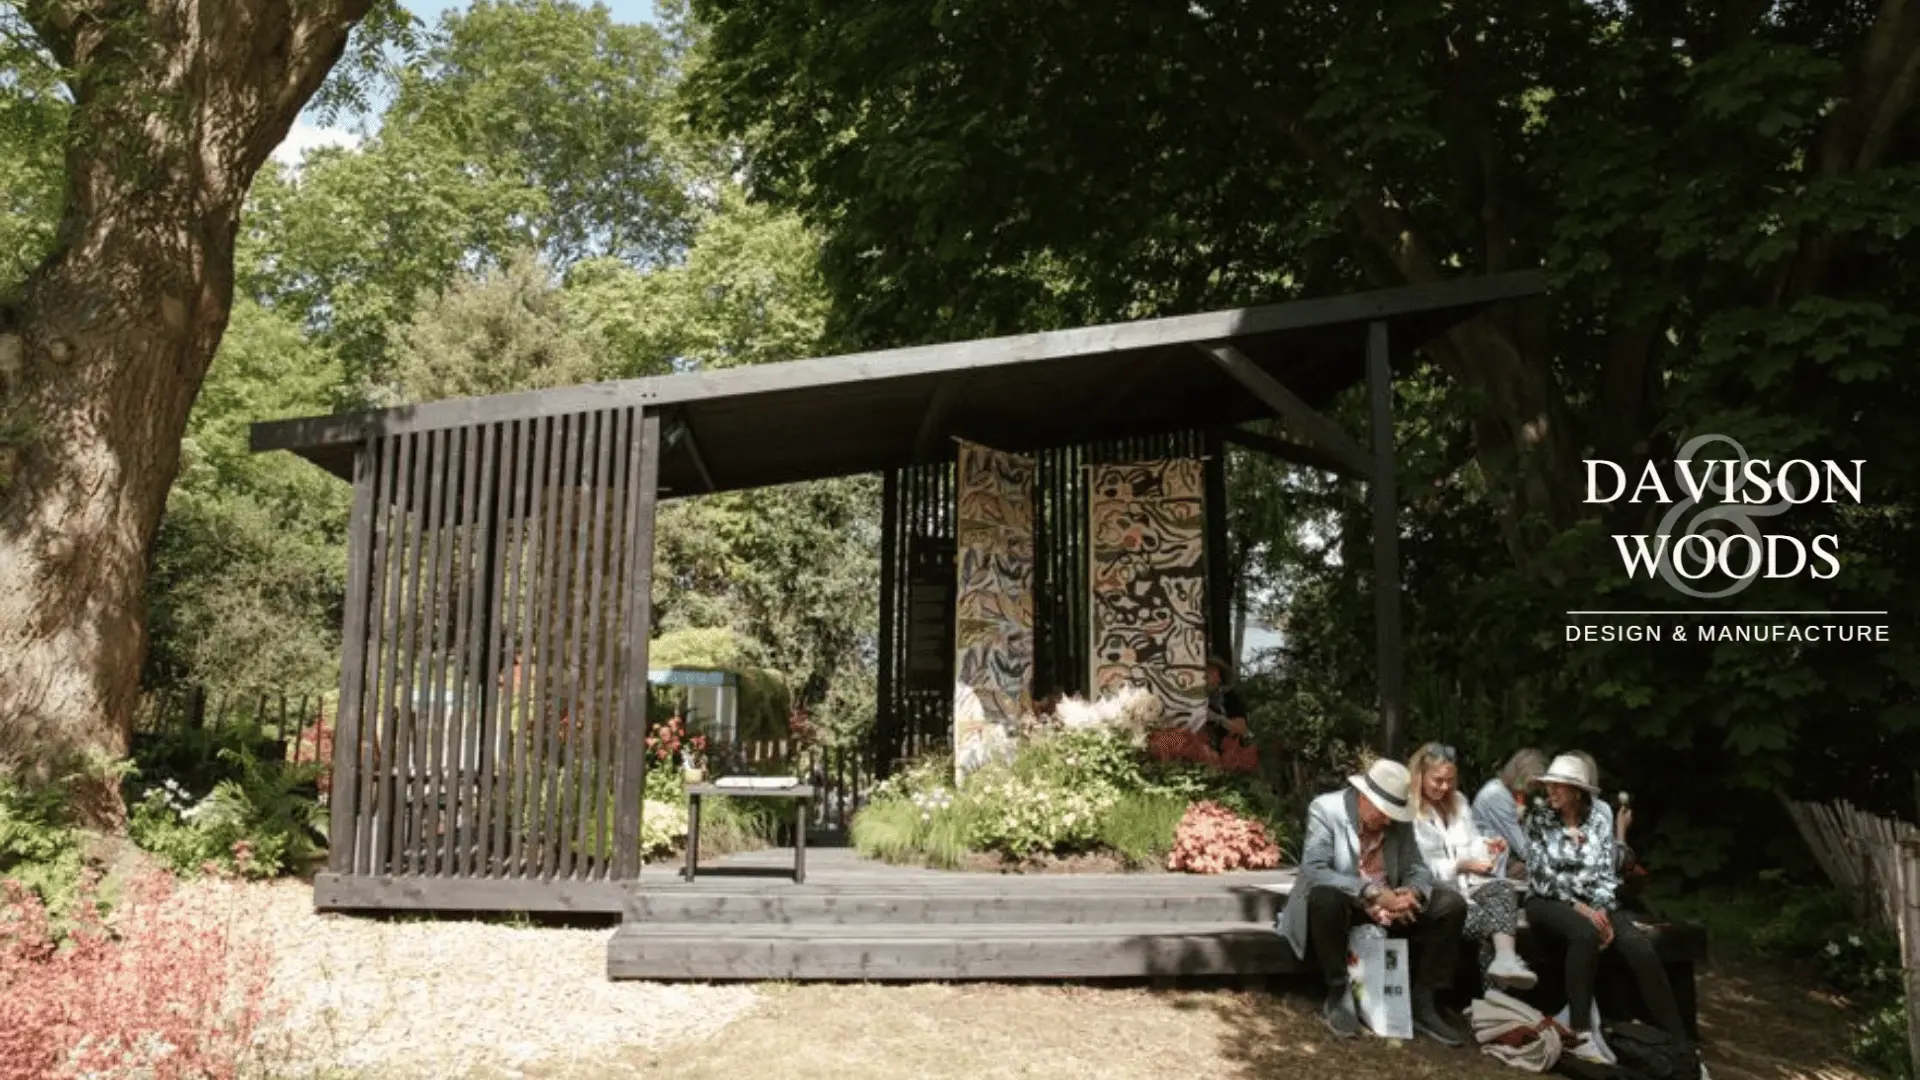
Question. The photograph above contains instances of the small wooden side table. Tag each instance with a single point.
(801, 794)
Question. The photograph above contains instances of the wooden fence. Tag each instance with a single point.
(299, 722)
(1877, 861)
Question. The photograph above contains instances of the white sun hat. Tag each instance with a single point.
(1385, 786)
(1573, 771)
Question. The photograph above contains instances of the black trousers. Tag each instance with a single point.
(1434, 935)
(1557, 921)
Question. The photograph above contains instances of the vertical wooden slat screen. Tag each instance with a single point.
(491, 727)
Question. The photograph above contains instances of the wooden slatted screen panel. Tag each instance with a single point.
(486, 673)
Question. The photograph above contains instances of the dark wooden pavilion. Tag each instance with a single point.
(490, 747)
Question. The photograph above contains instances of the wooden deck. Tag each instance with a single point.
(855, 919)
(860, 920)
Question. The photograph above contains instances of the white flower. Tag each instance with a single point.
(1833, 948)
(1853, 940)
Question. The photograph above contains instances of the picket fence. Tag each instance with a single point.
(1876, 860)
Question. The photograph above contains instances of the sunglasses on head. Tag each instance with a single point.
(1443, 752)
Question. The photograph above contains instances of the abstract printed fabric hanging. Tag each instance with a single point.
(1148, 590)
(993, 620)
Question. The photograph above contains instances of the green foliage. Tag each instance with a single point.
(1880, 1040)
(1729, 251)
(249, 566)
(1070, 793)
(910, 829)
(503, 331)
(1139, 827)
(33, 117)
(262, 819)
(39, 845)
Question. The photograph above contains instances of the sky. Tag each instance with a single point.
(307, 135)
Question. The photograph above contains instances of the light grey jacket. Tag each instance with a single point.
(1331, 856)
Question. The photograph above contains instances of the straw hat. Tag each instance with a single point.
(1572, 771)
(1385, 786)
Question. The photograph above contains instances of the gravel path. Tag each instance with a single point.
(394, 998)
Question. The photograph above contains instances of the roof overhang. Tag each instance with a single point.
(780, 423)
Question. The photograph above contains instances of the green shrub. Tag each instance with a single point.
(39, 846)
(1880, 1041)
(264, 820)
(1139, 827)
(913, 829)
(1018, 816)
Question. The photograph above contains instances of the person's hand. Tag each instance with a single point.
(1237, 725)
(1474, 866)
(1380, 915)
(1600, 922)
(1496, 845)
(1621, 823)
(1402, 902)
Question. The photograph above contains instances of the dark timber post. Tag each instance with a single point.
(353, 662)
(886, 711)
(636, 635)
(1386, 543)
(1219, 581)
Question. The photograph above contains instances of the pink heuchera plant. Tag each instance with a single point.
(169, 986)
(1212, 839)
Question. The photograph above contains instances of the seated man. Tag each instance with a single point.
(1362, 862)
(1226, 713)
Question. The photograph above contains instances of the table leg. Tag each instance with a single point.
(800, 843)
(693, 836)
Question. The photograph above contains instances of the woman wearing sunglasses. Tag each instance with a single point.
(1462, 858)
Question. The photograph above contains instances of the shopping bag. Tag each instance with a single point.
(1377, 973)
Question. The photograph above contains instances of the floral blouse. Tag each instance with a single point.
(1571, 864)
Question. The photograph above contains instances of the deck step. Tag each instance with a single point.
(701, 907)
(918, 952)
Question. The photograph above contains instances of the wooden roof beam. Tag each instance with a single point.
(1319, 430)
(1291, 452)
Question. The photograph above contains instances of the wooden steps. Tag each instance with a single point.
(856, 920)
(862, 921)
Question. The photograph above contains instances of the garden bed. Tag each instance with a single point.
(1105, 790)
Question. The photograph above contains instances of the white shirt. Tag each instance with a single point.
(1447, 844)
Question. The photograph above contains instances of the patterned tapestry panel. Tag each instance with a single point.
(1147, 523)
(993, 621)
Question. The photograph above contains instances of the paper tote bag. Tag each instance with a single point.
(1377, 974)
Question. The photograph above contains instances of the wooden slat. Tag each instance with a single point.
(496, 698)
(635, 634)
(613, 661)
(422, 775)
(353, 661)
(469, 695)
(580, 667)
(333, 892)
(405, 679)
(558, 606)
(526, 761)
(390, 526)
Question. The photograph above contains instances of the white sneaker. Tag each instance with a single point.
(1586, 1049)
(1509, 970)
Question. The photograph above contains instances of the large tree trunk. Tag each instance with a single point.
(176, 107)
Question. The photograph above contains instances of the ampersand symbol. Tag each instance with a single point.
(1704, 523)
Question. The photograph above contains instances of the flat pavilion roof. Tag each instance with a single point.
(770, 424)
